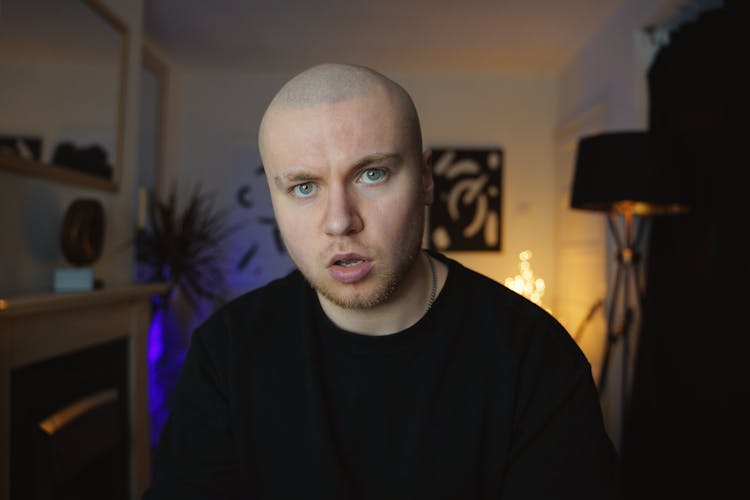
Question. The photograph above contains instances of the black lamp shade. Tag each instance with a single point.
(626, 171)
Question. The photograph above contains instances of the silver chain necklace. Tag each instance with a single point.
(433, 291)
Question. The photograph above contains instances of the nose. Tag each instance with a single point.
(342, 215)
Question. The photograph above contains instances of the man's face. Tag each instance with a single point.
(348, 188)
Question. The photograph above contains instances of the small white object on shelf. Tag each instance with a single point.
(73, 279)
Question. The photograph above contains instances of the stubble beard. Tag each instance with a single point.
(387, 281)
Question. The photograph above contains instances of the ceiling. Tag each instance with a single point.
(508, 36)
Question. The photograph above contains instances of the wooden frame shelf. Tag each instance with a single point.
(55, 173)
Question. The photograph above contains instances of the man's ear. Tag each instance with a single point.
(428, 184)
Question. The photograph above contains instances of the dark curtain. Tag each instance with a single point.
(686, 430)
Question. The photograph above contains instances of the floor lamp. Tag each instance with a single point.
(625, 175)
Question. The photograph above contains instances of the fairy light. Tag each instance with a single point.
(524, 282)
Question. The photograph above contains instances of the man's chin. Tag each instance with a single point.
(357, 296)
(351, 300)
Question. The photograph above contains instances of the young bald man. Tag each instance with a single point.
(377, 370)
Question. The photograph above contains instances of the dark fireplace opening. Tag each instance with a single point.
(69, 426)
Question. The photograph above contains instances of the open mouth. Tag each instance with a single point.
(349, 268)
(348, 262)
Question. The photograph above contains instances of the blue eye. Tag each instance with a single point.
(303, 190)
(373, 175)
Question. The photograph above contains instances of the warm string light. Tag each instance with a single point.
(524, 282)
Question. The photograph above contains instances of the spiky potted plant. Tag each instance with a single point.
(181, 248)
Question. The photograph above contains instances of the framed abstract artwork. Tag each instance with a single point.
(466, 214)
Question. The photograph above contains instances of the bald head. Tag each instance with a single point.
(330, 83)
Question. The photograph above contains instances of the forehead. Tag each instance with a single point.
(337, 132)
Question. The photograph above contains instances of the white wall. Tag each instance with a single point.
(212, 127)
(60, 102)
(516, 113)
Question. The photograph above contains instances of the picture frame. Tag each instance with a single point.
(466, 213)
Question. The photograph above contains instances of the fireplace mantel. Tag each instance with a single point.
(38, 327)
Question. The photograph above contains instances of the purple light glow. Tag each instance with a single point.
(165, 357)
(155, 338)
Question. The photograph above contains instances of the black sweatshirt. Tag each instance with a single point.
(485, 397)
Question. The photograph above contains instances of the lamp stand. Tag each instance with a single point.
(626, 275)
(623, 174)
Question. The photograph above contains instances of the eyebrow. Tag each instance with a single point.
(376, 158)
(300, 175)
(292, 177)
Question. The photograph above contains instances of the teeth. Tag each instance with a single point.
(349, 263)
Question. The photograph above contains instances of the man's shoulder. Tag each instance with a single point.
(478, 296)
(477, 286)
(269, 303)
(291, 283)
(502, 317)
